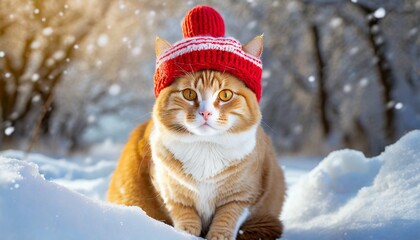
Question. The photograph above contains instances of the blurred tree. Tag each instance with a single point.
(38, 40)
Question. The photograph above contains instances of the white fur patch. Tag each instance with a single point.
(242, 218)
(205, 204)
(206, 156)
(203, 157)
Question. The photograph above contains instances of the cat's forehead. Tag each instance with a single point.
(208, 79)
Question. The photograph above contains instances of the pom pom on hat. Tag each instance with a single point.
(203, 21)
(205, 47)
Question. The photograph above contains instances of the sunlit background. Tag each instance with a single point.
(336, 73)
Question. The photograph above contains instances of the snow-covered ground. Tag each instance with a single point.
(346, 196)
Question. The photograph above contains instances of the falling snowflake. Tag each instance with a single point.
(347, 88)
(252, 24)
(91, 119)
(9, 130)
(50, 62)
(298, 129)
(69, 39)
(412, 32)
(375, 29)
(58, 55)
(36, 98)
(2, 54)
(136, 51)
(114, 89)
(363, 82)
(122, 5)
(390, 104)
(266, 74)
(36, 44)
(35, 77)
(336, 22)
(311, 78)
(98, 63)
(354, 50)
(398, 106)
(379, 13)
(102, 40)
(47, 31)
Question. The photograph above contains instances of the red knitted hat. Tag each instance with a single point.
(205, 47)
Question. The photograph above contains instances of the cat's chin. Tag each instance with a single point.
(205, 130)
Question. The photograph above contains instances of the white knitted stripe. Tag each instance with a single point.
(223, 44)
(196, 40)
(209, 46)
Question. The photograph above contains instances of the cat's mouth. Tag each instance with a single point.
(205, 128)
(206, 124)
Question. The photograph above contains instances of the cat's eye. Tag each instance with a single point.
(189, 94)
(225, 95)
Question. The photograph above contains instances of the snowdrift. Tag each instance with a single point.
(347, 196)
(33, 208)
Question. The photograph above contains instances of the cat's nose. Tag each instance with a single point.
(206, 114)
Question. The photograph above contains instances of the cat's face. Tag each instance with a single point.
(207, 103)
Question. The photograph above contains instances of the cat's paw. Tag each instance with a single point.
(219, 236)
(194, 229)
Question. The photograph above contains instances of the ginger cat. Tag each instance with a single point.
(203, 163)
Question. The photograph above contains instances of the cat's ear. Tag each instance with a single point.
(161, 46)
(254, 47)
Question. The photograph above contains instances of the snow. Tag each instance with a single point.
(114, 89)
(398, 106)
(311, 78)
(47, 31)
(345, 196)
(379, 13)
(49, 211)
(9, 130)
(266, 74)
(102, 40)
(35, 77)
(349, 196)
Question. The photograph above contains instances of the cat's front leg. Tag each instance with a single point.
(185, 218)
(227, 220)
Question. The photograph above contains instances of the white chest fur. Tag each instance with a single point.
(205, 202)
(205, 156)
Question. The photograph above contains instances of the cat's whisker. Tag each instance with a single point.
(269, 127)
